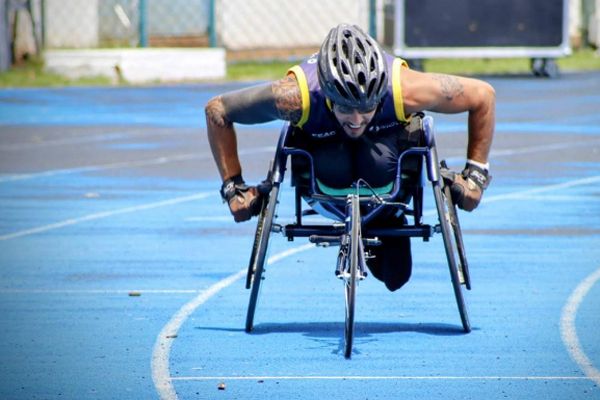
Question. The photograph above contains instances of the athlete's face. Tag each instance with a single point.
(353, 121)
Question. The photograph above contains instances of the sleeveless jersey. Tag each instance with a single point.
(318, 120)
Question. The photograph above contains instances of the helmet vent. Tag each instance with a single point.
(382, 81)
(361, 78)
(361, 47)
(345, 68)
(371, 86)
(345, 49)
(353, 89)
(340, 89)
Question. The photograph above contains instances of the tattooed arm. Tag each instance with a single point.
(453, 94)
(262, 103)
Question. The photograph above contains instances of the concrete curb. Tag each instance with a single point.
(139, 65)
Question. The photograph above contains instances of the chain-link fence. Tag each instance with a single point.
(233, 24)
(125, 23)
(240, 26)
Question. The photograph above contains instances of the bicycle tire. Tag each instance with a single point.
(351, 278)
(451, 254)
(259, 254)
(463, 266)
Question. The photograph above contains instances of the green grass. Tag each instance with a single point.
(32, 74)
(245, 71)
(582, 60)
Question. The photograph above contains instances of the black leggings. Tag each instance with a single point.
(392, 263)
(342, 161)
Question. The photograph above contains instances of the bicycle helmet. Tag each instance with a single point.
(351, 68)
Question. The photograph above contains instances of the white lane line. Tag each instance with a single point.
(105, 214)
(568, 330)
(98, 291)
(378, 378)
(104, 137)
(127, 164)
(522, 150)
(525, 194)
(162, 348)
(541, 148)
(103, 167)
(192, 156)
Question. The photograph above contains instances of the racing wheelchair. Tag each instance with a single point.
(350, 211)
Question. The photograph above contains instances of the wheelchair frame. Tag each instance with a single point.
(349, 227)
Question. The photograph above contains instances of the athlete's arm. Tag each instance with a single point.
(257, 104)
(453, 94)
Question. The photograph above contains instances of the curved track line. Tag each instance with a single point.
(162, 348)
(568, 330)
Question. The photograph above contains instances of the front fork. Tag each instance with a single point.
(342, 268)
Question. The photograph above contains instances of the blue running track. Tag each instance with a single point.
(122, 273)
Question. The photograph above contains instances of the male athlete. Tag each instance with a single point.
(348, 103)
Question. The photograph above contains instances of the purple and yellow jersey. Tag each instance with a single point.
(317, 118)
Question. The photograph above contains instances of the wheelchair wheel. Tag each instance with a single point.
(350, 275)
(445, 209)
(259, 253)
(463, 266)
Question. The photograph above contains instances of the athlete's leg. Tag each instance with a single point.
(392, 263)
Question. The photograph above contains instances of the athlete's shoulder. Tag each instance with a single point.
(288, 98)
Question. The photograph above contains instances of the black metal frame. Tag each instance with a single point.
(335, 208)
(335, 205)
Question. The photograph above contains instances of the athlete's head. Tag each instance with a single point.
(352, 69)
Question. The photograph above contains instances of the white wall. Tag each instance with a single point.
(594, 26)
(139, 65)
(71, 23)
(247, 24)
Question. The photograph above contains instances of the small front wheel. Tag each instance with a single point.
(350, 273)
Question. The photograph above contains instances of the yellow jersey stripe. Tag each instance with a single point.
(303, 84)
(397, 89)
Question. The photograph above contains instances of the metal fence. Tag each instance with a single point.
(236, 25)
(233, 24)
(125, 23)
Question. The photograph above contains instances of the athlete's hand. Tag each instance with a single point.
(468, 186)
(244, 201)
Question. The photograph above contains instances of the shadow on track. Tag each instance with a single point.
(333, 329)
(331, 334)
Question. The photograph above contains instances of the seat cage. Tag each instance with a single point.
(372, 204)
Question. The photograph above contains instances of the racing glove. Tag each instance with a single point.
(244, 201)
(468, 186)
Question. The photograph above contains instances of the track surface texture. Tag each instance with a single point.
(122, 273)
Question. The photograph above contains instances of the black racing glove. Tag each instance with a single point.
(244, 201)
(468, 186)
